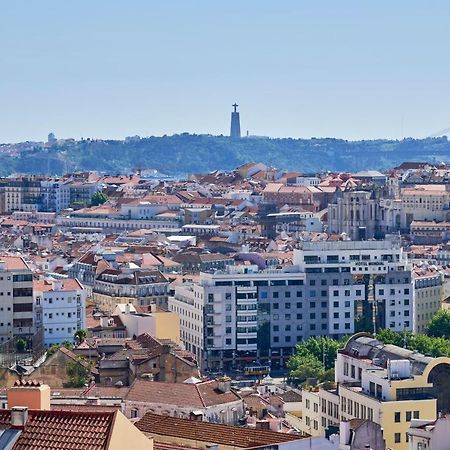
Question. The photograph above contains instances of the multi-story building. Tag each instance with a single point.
(20, 195)
(426, 202)
(242, 315)
(430, 232)
(362, 284)
(364, 214)
(391, 386)
(428, 295)
(60, 309)
(16, 301)
(129, 284)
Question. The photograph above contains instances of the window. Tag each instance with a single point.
(276, 294)
(276, 306)
(408, 416)
(227, 341)
(416, 415)
(397, 438)
(397, 417)
(299, 294)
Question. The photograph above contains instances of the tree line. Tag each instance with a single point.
(315, 357)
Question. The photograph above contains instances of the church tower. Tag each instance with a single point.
(235, 130)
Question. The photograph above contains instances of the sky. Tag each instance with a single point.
(109, 69)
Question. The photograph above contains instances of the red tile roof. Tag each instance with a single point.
(199, 395)
(60, 430)
(154, 424)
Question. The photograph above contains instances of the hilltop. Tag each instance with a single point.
(185, 153)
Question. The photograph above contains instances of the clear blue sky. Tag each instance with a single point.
(109, 68)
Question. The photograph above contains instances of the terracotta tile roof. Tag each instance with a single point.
(199, 395)
(237, 437)
(14, 262)
(60, 430)
(178, 394)
(68, 284)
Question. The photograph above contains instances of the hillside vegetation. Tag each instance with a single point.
(183, 154)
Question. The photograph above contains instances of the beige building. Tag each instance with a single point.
(390, 386)
(426, 202)
(156, 322)
(129, 284)
(428, 295)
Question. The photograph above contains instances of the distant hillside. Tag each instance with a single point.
(185, 153)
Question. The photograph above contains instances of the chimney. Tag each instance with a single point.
(19, 416)
(104, 321)
(30, 394)
(2, 266)
(127, 308)
(224, 384)
(344, 432)
(57, 285)
(263, 425)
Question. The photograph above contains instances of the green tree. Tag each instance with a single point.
(78, 374)
(21, 345)
(322, 348)
(80, 336)
(305, 366)
(98, 199)
(439, 325)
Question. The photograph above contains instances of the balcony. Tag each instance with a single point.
(23, 330)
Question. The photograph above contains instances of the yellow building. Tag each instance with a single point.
(157, 322)
(391, 386)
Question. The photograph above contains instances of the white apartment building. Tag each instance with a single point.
(60, 309)
(363, 280)
(16, 299)
(333, 288)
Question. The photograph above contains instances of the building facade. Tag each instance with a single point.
(60, 309)
(243, 315)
